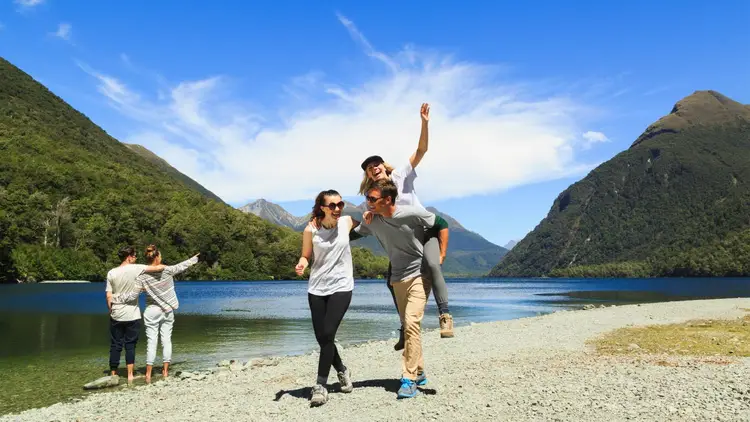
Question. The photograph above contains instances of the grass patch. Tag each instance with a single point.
(692, 338)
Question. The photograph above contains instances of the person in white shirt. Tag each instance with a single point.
(435, 241)
(329, 289)
(125, 318)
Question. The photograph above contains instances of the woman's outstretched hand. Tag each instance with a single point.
(367, 217)
(425, 112)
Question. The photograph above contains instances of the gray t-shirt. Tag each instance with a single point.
(399, 236)
(122, 280)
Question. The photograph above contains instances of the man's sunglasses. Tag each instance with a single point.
(333, 206)
(372, 199)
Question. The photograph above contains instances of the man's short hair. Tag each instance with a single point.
(126, 252)
(386, 188)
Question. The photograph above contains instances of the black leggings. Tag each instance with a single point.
(327, 313)
(122, 334)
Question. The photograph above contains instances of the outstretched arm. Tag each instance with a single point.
(416, 158)
(304, 259)
(154, 268)
(182, 266)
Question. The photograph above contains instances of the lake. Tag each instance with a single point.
(55, 337)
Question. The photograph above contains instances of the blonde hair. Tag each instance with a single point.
(368, 183)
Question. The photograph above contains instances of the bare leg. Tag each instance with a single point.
(165, 370)
(131, 377)
(149, 368)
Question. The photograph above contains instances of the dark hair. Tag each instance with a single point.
(152, 253)
(320, 200)
(386, 188)
(126, 252)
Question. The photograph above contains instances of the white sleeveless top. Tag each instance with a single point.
(403, 178)
(331, 270)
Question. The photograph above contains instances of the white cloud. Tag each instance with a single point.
(64, 31)
(485, 135)
(28, 3)
(591, 138)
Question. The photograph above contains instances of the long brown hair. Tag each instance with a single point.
(317, 213)
(367, 183)
(152, 253)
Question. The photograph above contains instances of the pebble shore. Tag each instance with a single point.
(530, 369)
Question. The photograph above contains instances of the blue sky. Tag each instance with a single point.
(281, 100)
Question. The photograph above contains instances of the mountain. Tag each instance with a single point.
(71, 196)
(468, 252)
(275, 214)
(673, 203)
(510, 244)
(167, 168)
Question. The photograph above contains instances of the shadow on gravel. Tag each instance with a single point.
(390, 385)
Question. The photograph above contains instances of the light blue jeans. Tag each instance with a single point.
(158, 324)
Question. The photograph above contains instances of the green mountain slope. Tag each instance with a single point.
(71, 196)
(683, 185)
(167, 168)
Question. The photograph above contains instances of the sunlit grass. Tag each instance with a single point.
(692, 338)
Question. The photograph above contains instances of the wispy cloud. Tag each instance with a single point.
(656, 90)
(64, 31)
(28, 4)
(486, 135)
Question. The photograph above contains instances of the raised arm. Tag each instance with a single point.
(182, 266)
(416, 158)
(307, 246)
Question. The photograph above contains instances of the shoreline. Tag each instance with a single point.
(533, 368)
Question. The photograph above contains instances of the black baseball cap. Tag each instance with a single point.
(372, 159)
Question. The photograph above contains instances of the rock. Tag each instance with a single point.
(633, 346)
(588, 307)
(264, 362)
(220, 370)
(184, 374)
(103, 382)
(225, 363)
(236, 366)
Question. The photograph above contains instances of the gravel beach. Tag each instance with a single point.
(531, 369)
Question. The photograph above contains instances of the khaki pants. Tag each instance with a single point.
(411, 298)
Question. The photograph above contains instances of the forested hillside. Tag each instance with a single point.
(71, 196)
(674, 203)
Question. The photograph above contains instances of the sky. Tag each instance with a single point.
(284, 99)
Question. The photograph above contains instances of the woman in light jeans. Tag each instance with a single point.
(161, 302)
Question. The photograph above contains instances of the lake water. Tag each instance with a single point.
(55, 337)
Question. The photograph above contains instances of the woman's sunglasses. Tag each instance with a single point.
(333, 206)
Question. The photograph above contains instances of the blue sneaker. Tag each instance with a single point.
(422, 379)
(408, 389)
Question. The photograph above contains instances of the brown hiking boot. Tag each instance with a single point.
(446, 326)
